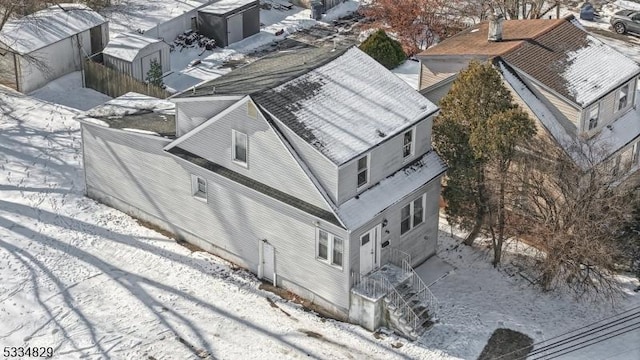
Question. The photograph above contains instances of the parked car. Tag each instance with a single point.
(626, 21)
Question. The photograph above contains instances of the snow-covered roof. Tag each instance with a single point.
(224, 6)
(48, 26)
(358, 210)
(127, 46)
(346, 106)
(132, 103)
(584, 153)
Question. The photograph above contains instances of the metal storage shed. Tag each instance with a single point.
(132, 54)
(229, 21)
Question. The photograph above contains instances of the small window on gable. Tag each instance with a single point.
(252, 111)
(239, 147)
(407, 144)
(199, 187)
(623, 97)
(594, 112)
(363, 171)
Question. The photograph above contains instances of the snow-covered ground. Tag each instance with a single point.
(67, 90)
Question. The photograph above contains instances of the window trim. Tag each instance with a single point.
(233, 148)
(367, 171)
(595, 126)
(195, 190)
(412, 144)
(330, 248)
(618, 97)
(412, 213)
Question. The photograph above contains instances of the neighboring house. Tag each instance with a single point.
(311, 168)
(132, 54)
(581, 91)
(48, 44)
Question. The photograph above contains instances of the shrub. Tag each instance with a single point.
(384, 49)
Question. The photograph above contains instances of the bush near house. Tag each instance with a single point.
(384, 49)
(154, 75)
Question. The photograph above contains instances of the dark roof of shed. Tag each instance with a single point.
(265, 73)
(255, 185)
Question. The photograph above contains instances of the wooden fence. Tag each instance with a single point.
(114, 83)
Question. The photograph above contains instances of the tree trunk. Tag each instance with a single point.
(476, 228)
(497, 250)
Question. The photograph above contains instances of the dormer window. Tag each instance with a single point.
(363, 171)
(407, 144)
(594, 112)
(622, 97)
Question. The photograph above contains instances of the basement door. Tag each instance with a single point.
(234, 28)
(370, 250)
(268, 262)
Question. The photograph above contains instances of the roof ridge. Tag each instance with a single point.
(566, 19)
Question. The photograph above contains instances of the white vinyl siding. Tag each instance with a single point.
(240, 146)
(412, 214)
(330, 248)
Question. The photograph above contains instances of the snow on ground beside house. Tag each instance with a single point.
(476, 299)
(67, 90)
(409, 71)
(90, 282)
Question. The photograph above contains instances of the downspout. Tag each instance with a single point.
(15, 72)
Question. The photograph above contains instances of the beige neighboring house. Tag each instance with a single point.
(580, 90)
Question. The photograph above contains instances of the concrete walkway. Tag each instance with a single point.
(433, 270)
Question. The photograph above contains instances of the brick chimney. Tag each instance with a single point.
(495, 27)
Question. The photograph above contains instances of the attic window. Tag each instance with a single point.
(594, 112)
(623, 99)
(199, 187)
(252, 112)
(363, 171)
(239, 147)
(407, 144)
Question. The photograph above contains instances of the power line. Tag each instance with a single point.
(573, 331)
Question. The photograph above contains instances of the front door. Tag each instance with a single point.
(234, 29)
(370, 250)
(268, 261)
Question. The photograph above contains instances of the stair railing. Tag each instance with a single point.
(368, 286)
(400, 305)
(424, 294)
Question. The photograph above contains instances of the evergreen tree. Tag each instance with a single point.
(476, 133)
(383, 49)
(154, 75)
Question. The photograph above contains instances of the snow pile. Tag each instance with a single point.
(132, 103)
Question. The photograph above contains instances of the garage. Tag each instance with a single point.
(133, 54)
(229, 21)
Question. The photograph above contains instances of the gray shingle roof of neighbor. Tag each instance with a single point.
(341, 101)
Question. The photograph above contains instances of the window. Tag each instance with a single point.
(199, 187)
(252, 112)
(363, 171)
(622, 97)
(239, 146)
(412, 214)
(330, 248)
(634, 158)
(594, 112)
(407, 144)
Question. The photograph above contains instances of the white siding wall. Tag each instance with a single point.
(123, 66)
(608, 108)
(385, 160)
(164, 56)
(127, 168)
(7, 69)
(325, 171)
(268, 159)
(566, 114)
(191, 114)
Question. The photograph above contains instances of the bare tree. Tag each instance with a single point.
(573, 217)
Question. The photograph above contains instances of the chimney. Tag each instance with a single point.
(495, 27)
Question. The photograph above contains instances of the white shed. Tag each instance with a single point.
(133, 53)
(48, 44)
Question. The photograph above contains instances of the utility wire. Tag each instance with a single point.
(572, 331)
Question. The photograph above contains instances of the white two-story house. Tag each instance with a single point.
(311, 168)
(581, 91)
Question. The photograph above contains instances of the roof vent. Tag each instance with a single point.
(495, 27)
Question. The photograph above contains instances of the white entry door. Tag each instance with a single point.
(234, 28)
(370, 250)
(268, 262)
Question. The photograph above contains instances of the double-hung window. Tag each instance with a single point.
(412, 214)
(239, 146)
(199, 187)
(363, 171)
(594, 113)
(407, 144)
(623, 97)
(330, 248)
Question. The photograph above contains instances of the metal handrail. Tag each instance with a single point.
(368, 286)
(399, 302)
(424, 294)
